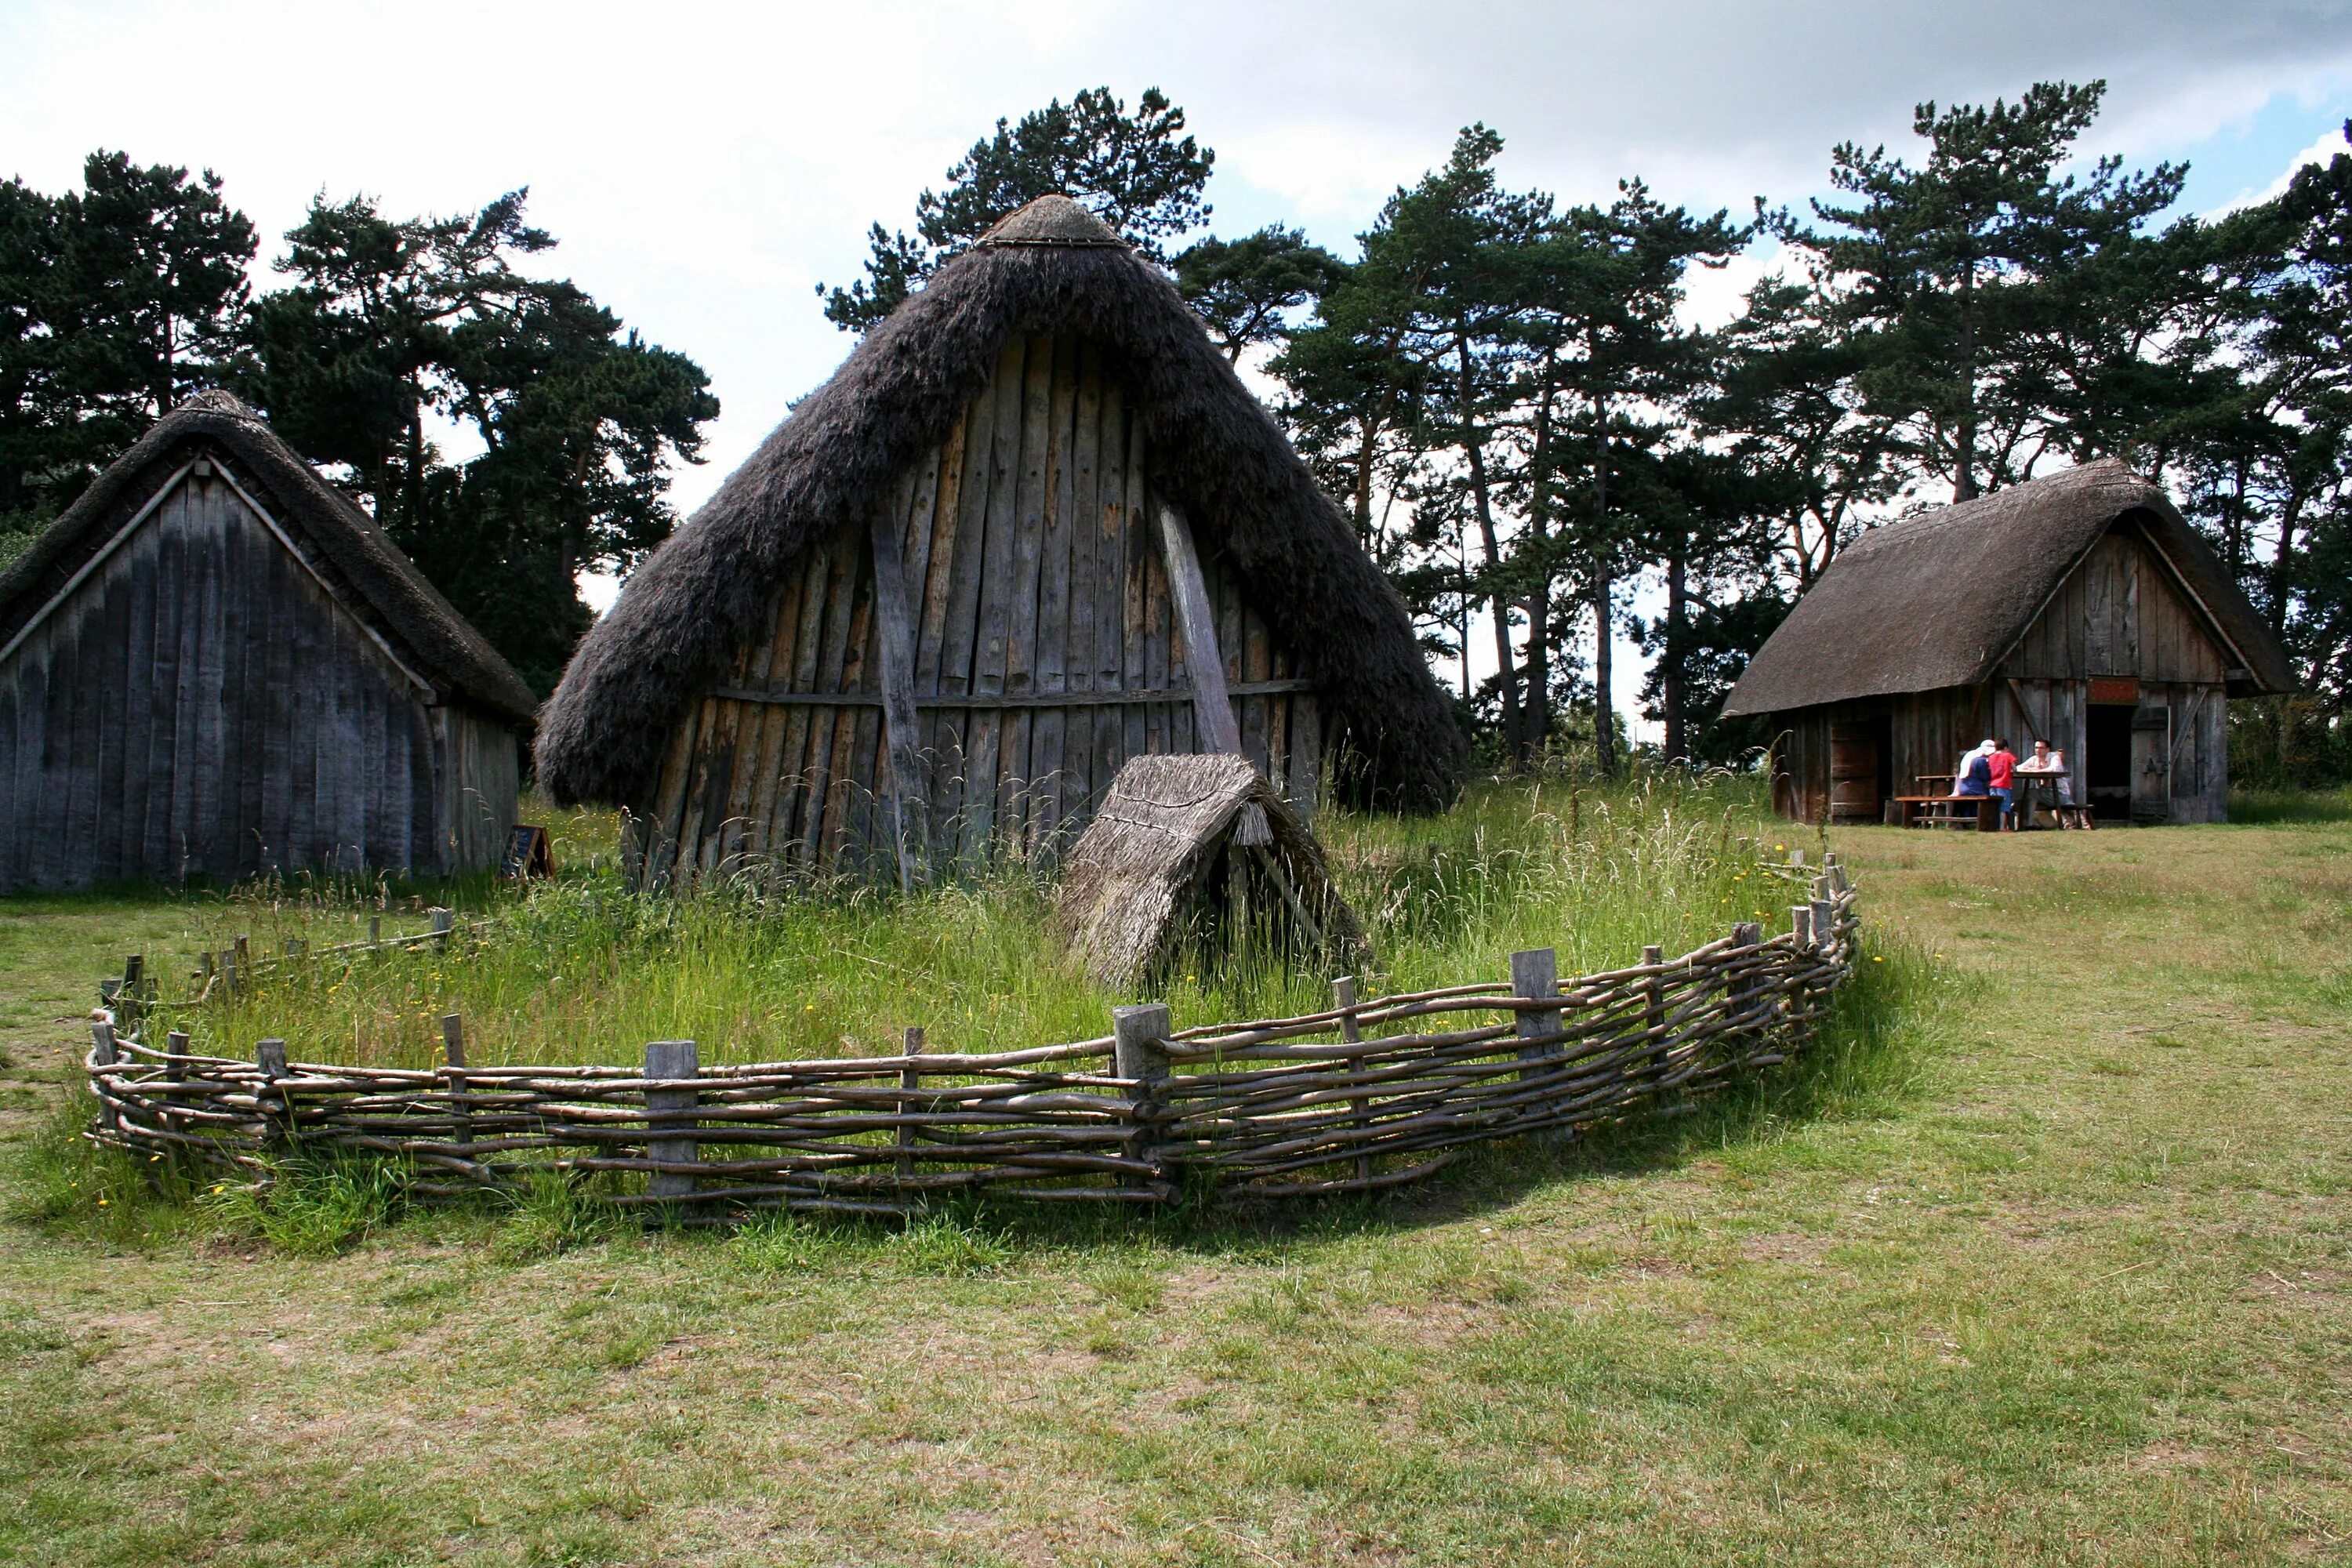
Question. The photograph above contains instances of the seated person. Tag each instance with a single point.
(2001, 779)
(1974, 776)
(2069, 813)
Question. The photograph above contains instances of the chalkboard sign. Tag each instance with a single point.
(527, 854)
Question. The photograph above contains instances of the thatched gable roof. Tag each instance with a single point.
(1940, 599)
(1049, 267)
(375, 579)
(1135, 877)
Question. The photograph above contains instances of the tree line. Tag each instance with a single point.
(503, 428)
(1507, 395)
(1507, 392)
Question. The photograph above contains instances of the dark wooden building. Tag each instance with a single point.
(1034, 526)
(2080, 609)
(214, 665)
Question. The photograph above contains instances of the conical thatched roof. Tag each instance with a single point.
(1940, 599)
(376, 580)
(1049, 267)
(1137, 873)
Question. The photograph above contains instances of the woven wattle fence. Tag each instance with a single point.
(1365, 1094)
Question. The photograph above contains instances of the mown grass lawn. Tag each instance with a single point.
(2044, 1258)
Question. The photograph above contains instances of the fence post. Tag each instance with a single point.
(1343, 992)
(101, 1052)
(1535, 976)
(1654, 1015)
(453, 1053)
(1139, 1051)
(269, 1056)
(910, 1078)
(669, 1060)
(375, 929)
(129, 1001)
(1801, 926)
(444, 922)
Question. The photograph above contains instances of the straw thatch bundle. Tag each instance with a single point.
(1183, 845)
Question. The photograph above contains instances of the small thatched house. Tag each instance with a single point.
(213, 665)
(1033, 527)
(1193, 849)
(2080, 609)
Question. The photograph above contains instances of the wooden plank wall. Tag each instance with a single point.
(481, 783)
(202, 706)
(2119, 613)
(1032, 574)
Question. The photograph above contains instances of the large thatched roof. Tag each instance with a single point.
(375, 579)
(1049, 267)
(1135, 877)
(1940, 599)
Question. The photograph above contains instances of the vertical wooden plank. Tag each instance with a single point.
(1164, 656)
(1137, 552)
(779, 744)
(145, 696)
(1110, 584)
(857, 729)
(196, 730)
(1204, 660)
(894, 639)
(957, 572)
(1016, 769)
(664, 812)
(1305, 766)
(1049, 726)
(671, 1142)
(983, 747)
(1077, 793)
(686, 864)
(823, 764)
(785, 818)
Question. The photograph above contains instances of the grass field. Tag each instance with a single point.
(2044, 1257)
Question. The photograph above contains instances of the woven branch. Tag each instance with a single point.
(1269, 1108)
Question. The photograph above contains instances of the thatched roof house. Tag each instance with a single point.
(2081, 609)
(1185, 849)
(213, 664)
(1026, 531)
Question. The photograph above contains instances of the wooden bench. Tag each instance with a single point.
(1981, 812)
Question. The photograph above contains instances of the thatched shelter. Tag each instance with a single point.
(1189, 850)
(2079, 609)
(213, 664)
(1033, 527)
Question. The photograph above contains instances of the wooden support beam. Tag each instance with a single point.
(894, 637)
(1213, 721)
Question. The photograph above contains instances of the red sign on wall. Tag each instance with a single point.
(2115, 688)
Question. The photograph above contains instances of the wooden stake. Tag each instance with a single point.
(672, 1060)
(453, 1053)
(1535, 975)
(1139, 1051)
(910, 1078)
(1343, 993)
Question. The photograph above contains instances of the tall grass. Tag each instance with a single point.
(581, 970)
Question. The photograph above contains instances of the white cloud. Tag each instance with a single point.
(706, 164)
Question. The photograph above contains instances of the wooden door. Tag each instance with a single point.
(2151, 764)
(1857, 763)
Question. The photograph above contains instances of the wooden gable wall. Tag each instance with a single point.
(201, 704)
(1044, 653)
(2120, 619)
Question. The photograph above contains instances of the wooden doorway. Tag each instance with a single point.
(2107, 771)
(1862, 769)
(2151, 764)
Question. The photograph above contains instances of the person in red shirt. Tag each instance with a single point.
(2002, 766)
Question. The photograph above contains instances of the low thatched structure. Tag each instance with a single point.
(2080, 609)
(1189, 849)
(1033, 527)
(215, 665)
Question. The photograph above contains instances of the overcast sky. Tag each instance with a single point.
(706, 166)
